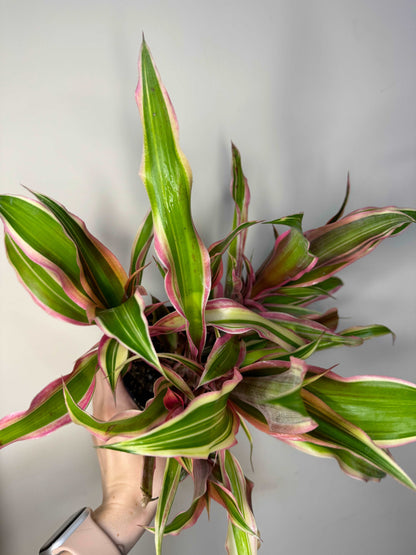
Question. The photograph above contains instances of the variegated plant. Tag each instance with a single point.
(228, 347)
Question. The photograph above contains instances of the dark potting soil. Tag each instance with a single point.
(139, 382)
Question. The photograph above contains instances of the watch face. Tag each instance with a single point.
(64, 531)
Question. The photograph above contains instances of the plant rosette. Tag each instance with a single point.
(227, 347)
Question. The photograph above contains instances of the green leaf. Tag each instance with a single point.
(48, 411)
(241, 196)
(340, 243)
(139, 251)
(112, 357)
(138, 423)
(103, 273)
(239, 542)
(224, 356)
(335, 431)
(206, 425)
(45, 290)
(42, 239)
(128, 324)
(166, 498)
(274, 389)
(167, 178)
(385, 408)
(288, 261)
(352, 465)
(232, 317)
(224, 497)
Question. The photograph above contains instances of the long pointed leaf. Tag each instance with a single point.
(335, 431)
(103, 273)
(48, 411)
(167, 177)
(385, 408)
(206, 425)
(166, 498)
(41, 237)
(44, 289)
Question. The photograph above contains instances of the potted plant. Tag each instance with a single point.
(228, 346)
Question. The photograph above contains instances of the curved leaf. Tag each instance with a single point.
(44, 289)
(48, 411)
(207, 424)
(385, 408)
(167, 178)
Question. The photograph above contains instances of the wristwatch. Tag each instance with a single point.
(80, 535)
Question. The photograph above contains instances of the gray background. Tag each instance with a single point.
(307, 90)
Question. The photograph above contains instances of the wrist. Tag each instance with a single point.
(124, 523)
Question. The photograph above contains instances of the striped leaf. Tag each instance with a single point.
(241, 196)
(47, 411)
(354, 466)
(232, 317)
(167, 494)
(385, 408)
(44, 289)
(42, 239)
(288, 261)
(226, 354)
(139, 252)
(224, 497)
(112, 357)
(336, 432)
(127, 324)
(273, 389)
(167, 178)
(206, 425)
(239, 542)
(103, 274)
(133, 424)
(340, 243)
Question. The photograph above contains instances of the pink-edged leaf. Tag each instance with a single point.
(48, 411)
(127, 324)
(167, 178)
(201, 470)
(336, 432)
(224, 497)
(139, 252)
(384, 408)
(352, 465)
(234, 318)
(303, 295)
(133, 423)
(166, 497)
(43, 288)
(288, 261)
(206, 425)
(226, 354)
(217, 249)
(340, 243)
(241, 195)
(273, 388)
(231, 317)
(102, 274)
(42, 239)
(112, 357)
(310, 330)
(239, 542)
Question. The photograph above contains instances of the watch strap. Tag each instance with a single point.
(88, 539)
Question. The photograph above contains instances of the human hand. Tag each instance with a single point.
(124, 511)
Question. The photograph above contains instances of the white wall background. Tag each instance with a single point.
(307, 90)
